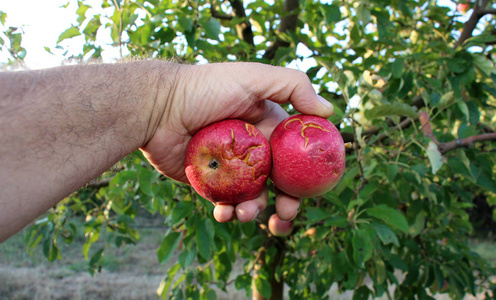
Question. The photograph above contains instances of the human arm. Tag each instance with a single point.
(62, 127)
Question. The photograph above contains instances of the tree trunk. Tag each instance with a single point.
(277, 287)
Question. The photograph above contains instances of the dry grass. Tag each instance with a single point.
(53, 283)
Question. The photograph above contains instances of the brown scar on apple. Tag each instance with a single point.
(305, 126)
(252, 131)
(245, 157)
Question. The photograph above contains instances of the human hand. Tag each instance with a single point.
(201, 95)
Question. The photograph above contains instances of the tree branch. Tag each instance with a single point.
(466, 142)
(288, 24)
(98, 184)
(489, 11)
(244, 28)
(217, 15)
(426, 127)
(455, 144)
(472, 22)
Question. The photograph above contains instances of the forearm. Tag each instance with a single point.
(62, 127)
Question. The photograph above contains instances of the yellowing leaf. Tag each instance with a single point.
(435, 157)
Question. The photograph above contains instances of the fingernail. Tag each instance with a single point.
(256, 214)
(326, 103)
(295, 215)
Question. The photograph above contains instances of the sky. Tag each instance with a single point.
(42, 21)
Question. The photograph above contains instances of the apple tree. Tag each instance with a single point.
(413, 84)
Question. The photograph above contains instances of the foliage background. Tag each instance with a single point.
(414, 90)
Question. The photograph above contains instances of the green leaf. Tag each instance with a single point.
(3, 17)
(243, 281)
(96, 259)
(337, 221)
(484, 65)
(146, 178)
(92, 27)
(398, 67)
(68, 34)
(212, 28)
(169, 244)
(385, 234)
(435, 157)
(181, 211)
(418, 225)
(394, 109)
(81, 12)
(205, 237)
(262, 284)
(332, 13)
(186, 24)
(50, 249)
(223, 266)
(167, 281)
(165, 35)
(463, 107)
(380, 269)
(446, 99)
(187, 257)
(390, 216)
(92, 235)
(361, 293)
(47, 49)
(315, 214)
(362, 246)
(392, 171)
(458, 166)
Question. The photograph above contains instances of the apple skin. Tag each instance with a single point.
(228, 162)
(308, 156)
(279, 227)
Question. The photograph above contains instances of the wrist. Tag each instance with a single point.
(162, 83)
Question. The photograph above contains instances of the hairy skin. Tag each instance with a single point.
(62, 127)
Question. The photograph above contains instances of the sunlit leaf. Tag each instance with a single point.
(435, 157)
(68, 34)
(394, 109)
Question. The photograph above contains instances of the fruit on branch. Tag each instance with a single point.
(310, 232)
(278, 227)
(308, 156)
(463, 7)
(228, 162)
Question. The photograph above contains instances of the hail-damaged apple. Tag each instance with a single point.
(228, 162)
(308, 156)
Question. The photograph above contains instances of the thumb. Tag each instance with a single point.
(283, 85)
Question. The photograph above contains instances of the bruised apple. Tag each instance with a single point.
(308, 156)
(228, 162)
(279, 227)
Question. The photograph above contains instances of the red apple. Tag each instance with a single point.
(462, 7)
(228, 162)
(308, 156)
(279, 227)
